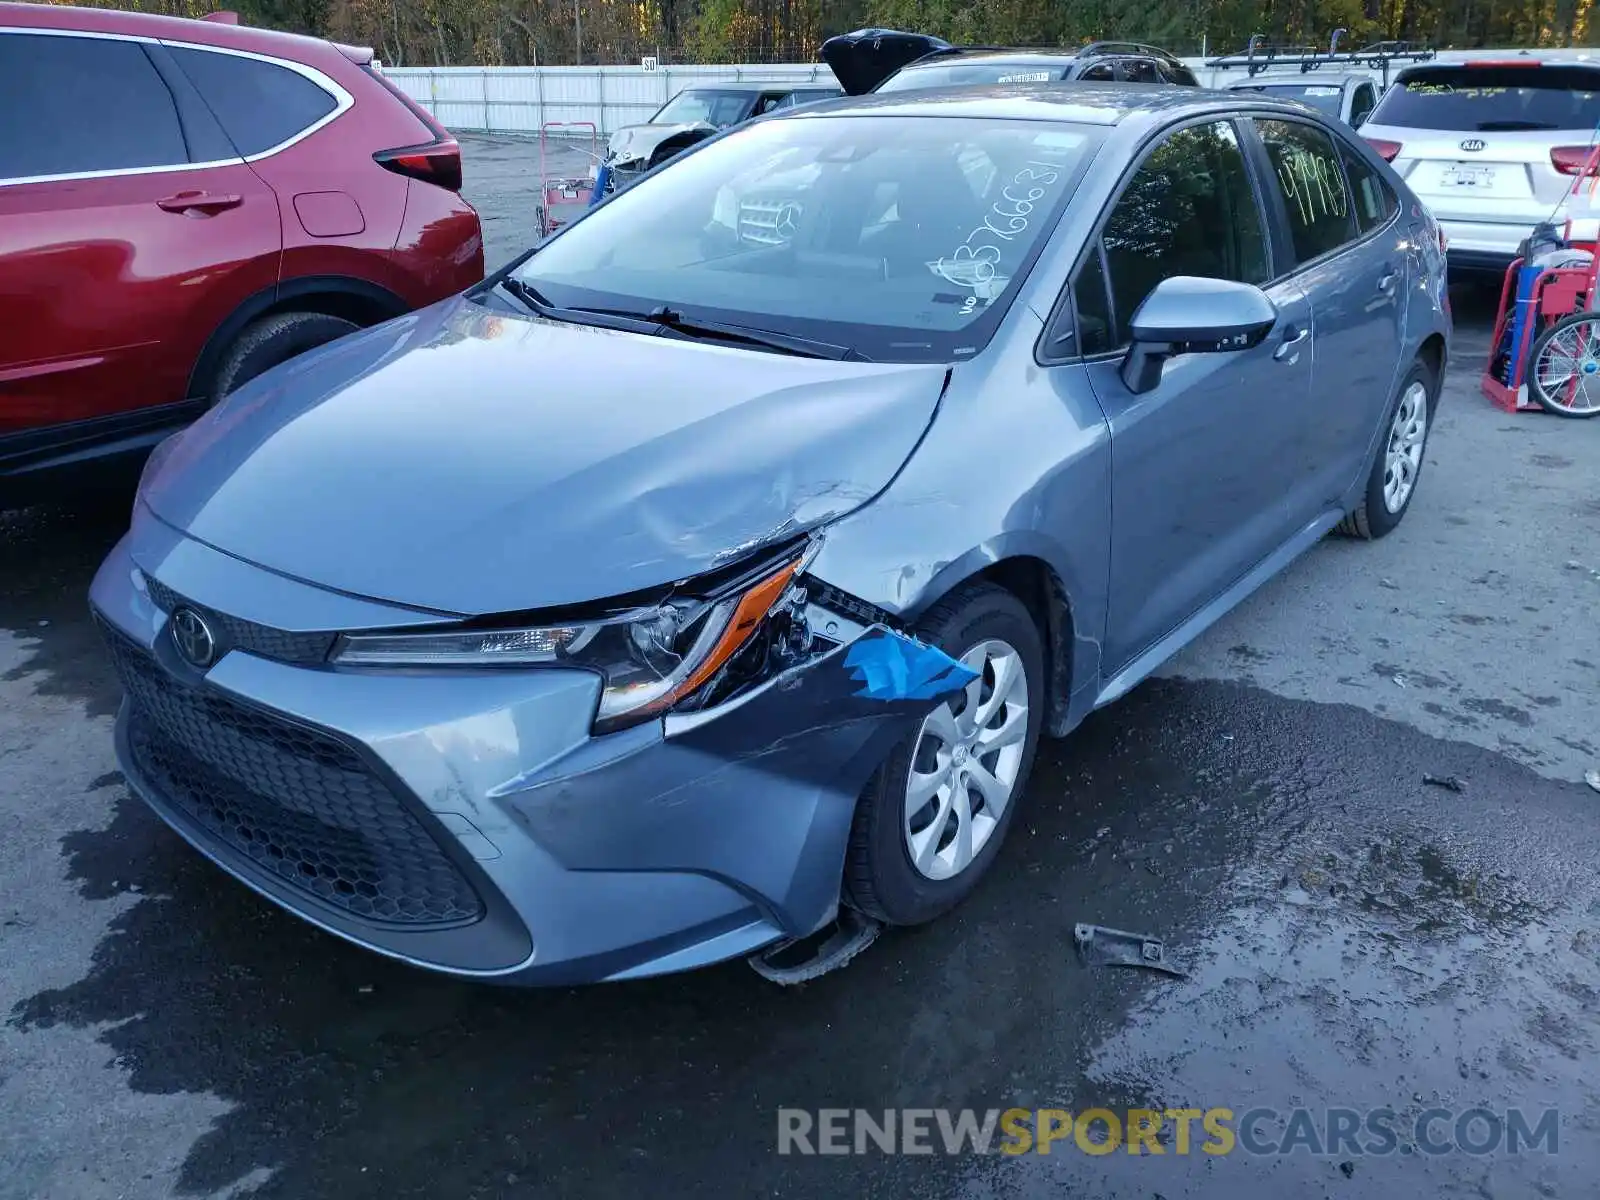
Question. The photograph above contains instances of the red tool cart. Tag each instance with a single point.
(1545, 353)
(561, 198)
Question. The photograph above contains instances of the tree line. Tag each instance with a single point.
(564, 32)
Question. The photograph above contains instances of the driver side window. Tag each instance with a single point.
(1190, 209)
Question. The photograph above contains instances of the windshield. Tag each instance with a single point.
(1493, 98)
(956, 74)
(704, 106)
(902, 238)
(1319, 95)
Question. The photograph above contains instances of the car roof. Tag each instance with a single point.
(1488, 60)
(1020, 57)
(770, 85)
(1084, 103)
(293, 46)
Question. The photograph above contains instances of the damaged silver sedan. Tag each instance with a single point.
(700, 586)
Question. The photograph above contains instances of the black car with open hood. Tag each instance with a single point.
(890, 60)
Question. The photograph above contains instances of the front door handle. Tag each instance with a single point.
(1386, 280)
(1288, 349)
(204, 202)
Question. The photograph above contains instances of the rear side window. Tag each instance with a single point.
(1493, 99)
(1361, 108)
(1374, 202)
(78, 104)
(1099, 73)
(1305, 168)
(260, 104)
(1140, 70)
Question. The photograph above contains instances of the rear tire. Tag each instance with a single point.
(1397, 465)
(273, 340)
(881, 877)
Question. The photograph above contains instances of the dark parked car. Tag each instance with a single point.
(886, 60)
(676, 595)
(695, 114)
(184, 204)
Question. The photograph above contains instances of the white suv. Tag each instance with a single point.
(1491, 147)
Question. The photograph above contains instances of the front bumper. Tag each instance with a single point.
(467, 821)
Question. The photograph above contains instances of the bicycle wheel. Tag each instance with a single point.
(1564, 369)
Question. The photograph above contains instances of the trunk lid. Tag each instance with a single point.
(1476, 138)
(864, 59)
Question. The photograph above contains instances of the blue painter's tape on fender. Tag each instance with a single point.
(890, 666)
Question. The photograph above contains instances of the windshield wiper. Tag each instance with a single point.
(530, 296)
(721, 331)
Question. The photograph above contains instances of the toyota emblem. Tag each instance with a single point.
(193, 638)
(1472, 144)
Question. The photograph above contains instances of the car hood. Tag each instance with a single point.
(469, 461)
(639, 141)
(862, 60)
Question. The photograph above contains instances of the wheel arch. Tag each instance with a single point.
(1434, 353)
(1032, 568)
(354, 300)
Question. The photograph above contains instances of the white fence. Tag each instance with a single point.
(520, 99)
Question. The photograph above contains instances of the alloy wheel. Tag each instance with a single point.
(1407, 437)
(965, 764)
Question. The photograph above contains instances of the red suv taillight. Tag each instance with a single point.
(437, 162)
(1386, 150)
(1569, 160)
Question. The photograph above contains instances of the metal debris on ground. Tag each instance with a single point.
(1592, 778)
(808, 958)
(1448, 782)
(1099, 946)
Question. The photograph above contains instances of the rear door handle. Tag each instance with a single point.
(1386, 280)
(207, 202)
(1288, 349)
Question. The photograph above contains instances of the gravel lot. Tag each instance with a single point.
(1355, 937)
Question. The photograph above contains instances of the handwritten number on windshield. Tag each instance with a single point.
(973, 263)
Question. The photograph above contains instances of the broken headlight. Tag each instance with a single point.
(692, 651)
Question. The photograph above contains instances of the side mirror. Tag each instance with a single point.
(1189, 315)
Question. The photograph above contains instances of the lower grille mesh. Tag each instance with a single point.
(297, 803)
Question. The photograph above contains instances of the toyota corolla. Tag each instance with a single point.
(701, 584)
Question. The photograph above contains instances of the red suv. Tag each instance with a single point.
(184, 204)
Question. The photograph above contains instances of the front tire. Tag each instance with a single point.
(932, 818)
(1397, 466)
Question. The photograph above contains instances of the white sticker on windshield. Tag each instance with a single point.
(1322, 91)
(1027, 77)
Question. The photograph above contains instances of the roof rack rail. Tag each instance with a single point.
(1260, 55)
(1100, 49)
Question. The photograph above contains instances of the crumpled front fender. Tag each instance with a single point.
(758, 793)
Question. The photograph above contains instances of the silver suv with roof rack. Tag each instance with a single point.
(1338, 83)
(887, 60)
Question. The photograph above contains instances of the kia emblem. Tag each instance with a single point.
(1472, 144)
(193, 637)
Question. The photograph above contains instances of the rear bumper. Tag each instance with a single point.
(1478, 262)
(469, 823)
(1485, 245)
